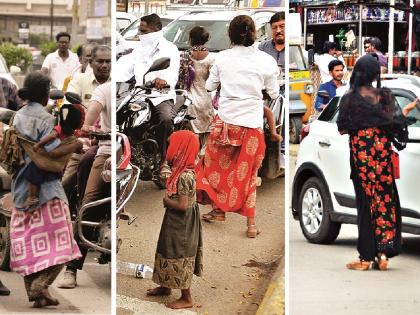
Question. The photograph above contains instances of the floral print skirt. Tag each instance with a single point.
(378, 206)
(226, 175)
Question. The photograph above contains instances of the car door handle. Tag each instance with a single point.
(324, 143)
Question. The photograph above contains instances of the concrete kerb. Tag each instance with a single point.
(273, 302)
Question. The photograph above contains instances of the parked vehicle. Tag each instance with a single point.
(124, 19)
(272, 165)
(135, 119)
(322, 193)
(216, 23)
(130, 33)
(300, 85)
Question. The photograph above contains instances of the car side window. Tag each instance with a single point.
(413, 118)
(330, 113)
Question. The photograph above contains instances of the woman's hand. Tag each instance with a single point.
(409, 107)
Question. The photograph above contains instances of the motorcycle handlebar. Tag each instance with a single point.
(100, 135)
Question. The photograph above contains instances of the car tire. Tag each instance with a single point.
(4, 242)
(294, 129)
(314, 209)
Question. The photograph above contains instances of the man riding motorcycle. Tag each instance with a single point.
(152, 47)
(84, 84)
(96, 187)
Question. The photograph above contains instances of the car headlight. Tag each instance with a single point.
(309, 89)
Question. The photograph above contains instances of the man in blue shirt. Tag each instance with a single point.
(336, 68)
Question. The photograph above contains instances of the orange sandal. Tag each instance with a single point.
(381, 262)
(214, 215)
(252, 231)
(360, 265)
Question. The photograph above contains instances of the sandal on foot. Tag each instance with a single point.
(252, 231)
(381, 263)
(214, 216)
(360, 265)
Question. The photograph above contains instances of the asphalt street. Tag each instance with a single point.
(91, 296)
(237, 270)
(321, 284)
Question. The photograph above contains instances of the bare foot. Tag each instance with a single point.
(51, 300)
(159, 291)
(181, 303)
(43, 302)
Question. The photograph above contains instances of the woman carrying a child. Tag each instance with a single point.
(41, 234)
(226, 176)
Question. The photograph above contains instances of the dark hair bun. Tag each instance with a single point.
(23, 93)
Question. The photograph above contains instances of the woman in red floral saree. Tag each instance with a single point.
(226, 176)
(375, 125)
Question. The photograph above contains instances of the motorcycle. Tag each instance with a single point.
(273, 164)
(135, 119)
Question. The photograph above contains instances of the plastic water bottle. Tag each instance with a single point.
(137, 270)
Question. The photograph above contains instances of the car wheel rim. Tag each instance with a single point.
(312, 210)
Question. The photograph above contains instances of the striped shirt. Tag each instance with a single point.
(8, 95)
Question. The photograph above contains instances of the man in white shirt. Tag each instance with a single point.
(78, 170)
(84, 53)
(84, 84)
(154, 46)
(96, 188)
(60, 64)
(330, 53)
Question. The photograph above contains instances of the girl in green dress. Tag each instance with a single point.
(179, 251)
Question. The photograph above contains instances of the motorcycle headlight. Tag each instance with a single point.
(309, 89)
(135, 107)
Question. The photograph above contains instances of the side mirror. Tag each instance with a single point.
(159, 64)
(56, 95)
(73, 98)
(311, 57)
(15, 70)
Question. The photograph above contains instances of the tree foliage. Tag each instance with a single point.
(16, 56)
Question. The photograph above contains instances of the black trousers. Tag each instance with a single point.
(164, 114)
(367, 245)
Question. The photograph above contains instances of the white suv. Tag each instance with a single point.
(323, 195)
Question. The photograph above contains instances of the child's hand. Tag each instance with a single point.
(165, 200)
(36, 147)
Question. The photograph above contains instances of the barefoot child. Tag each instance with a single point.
(179, 251)
(71, 119)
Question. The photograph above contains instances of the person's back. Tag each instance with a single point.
(244, 72)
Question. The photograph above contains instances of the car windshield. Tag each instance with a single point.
(178, 33)
(123, 23)
(130, 32)
(297, 61)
